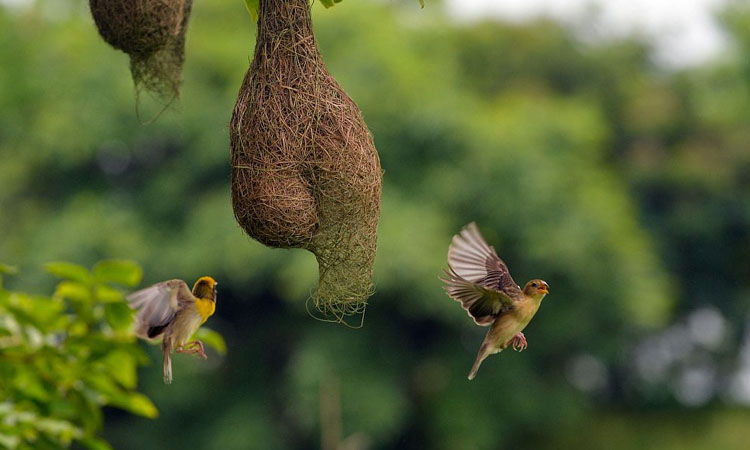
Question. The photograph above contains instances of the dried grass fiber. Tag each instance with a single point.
(305, 172)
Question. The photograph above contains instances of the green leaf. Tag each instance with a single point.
(211, 338)
(121, 366)
(107, 294)
(73, 290)
(69, 271)
(60, 407)
(118, 315)
(26, 381)
(137, 403)
(63, 430)
(78, 328)
(124, 272)
(46, 311)
(252, 7)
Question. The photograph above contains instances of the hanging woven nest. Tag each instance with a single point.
(305, 172)
(152, 33)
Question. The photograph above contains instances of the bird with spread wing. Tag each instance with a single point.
(480, 280)
(172, 311)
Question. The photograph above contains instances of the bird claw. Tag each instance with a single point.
(193, 347)
(199, 349)
(519, 342)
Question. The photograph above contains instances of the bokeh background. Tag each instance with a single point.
(622, 181)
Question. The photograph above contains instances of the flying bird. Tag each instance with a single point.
(172, 311)
(480, 280)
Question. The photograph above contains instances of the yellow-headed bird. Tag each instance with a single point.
(171, 311)
(480, 280)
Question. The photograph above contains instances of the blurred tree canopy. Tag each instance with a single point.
(624, 185)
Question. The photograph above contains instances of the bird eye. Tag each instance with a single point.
(533, 284)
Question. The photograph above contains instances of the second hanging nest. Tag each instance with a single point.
(152, 33)
(305, 172)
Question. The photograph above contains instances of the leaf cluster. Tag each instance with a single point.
(67, 355)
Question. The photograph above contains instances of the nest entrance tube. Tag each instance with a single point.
(305, 172)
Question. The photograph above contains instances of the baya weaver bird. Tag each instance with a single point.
(480, 280)
(172, 311)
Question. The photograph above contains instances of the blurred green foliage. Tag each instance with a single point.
(624, 185)
(66, 356)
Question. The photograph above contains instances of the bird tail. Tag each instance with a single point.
(484, 352)
(167, 349)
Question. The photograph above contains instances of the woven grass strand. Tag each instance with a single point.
(305, 172)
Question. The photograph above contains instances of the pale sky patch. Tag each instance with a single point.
(684, 32)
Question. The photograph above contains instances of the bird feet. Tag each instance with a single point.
(193, 347)
(519, 342)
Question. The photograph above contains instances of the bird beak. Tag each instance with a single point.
(544, 289)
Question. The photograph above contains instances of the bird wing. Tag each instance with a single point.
(473, 260)
(157, 305)
(483, 304)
